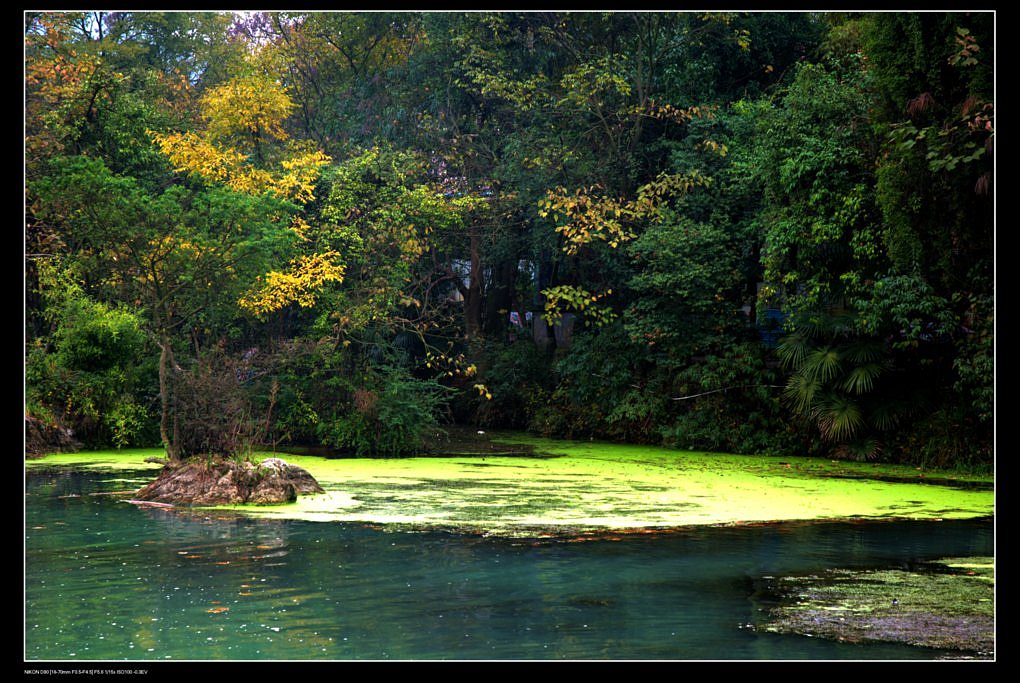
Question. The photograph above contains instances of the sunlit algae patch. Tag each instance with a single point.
(591, 487)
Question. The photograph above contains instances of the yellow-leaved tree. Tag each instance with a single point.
(244, 144)
(245, 147)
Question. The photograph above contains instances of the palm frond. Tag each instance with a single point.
(800, 392)
(864, 351)
(885, 415)
(860, 449)
(839, 418)
(792, 350)
(861, 379)
(822, 364)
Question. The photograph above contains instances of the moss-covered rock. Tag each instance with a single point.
(226, 482)
(43, 437)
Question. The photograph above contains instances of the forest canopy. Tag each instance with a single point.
(751, 232)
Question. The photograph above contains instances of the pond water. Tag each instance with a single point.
(106, 580)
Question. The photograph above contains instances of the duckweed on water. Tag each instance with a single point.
(126, 459)
(592, 487)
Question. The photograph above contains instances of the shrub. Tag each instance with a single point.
(214, 412)
(89, 371)
(393, 413)
(520, 380)
(734, 407)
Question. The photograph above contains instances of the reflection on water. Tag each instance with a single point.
(106, 580)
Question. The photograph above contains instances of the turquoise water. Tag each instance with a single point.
(108, 581)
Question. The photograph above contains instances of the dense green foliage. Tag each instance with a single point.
(748, 232)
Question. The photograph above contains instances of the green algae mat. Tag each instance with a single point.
(947, 604)
(577, 487)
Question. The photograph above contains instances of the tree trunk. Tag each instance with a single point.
(473, 294)
(499, 298)
(168, 427)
